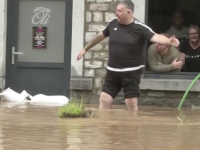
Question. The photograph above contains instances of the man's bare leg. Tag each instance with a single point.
(132, 104)
(105, 101)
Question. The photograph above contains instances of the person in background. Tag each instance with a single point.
(164, 58)
(190, 50)
(178, 29)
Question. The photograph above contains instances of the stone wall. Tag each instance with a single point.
(168, 98)
(147, 98)
(98, 14)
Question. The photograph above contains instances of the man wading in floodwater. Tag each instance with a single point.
(127, 37)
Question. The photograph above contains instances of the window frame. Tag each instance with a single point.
(154, 75)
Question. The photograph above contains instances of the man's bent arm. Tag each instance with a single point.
(158, 38)
(98, 38)
(162, 68)
(153, 63)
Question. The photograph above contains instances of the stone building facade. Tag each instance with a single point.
(158, 92)
(87, 75)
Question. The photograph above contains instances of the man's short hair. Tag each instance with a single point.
(129, 4)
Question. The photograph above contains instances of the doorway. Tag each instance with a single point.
(38, 49)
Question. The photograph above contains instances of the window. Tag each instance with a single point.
(159, 14)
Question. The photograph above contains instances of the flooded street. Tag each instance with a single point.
(28, 127)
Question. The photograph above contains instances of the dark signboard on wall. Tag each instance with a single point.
(39, 37)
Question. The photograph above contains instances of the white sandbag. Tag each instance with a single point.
(12, 96)
(45, 99)
(26, 95)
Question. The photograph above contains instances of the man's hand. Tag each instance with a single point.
(174, 41)
(98, 38)
(80, 55)
(177, 64)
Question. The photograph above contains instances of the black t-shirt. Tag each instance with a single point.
(192, 58)
(126, 43)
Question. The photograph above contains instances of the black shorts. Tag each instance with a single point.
(129, 81)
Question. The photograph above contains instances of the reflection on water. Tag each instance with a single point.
(31, 127)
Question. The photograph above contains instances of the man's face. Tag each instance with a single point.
(122, 13)
(161, 48)
(193, 35)
(178, 19)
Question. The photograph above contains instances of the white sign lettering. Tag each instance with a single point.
(41, 15)
(40, 37)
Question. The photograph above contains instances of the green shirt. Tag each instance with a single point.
(162, 63)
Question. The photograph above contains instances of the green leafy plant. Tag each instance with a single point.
(73, 109)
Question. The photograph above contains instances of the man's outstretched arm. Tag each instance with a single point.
(150, 35)
(158, 38)
(98, 38)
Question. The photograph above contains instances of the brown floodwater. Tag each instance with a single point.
(31, 127)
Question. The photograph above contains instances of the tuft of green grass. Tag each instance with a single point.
(73, 109)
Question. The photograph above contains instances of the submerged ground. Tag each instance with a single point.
(29, 127)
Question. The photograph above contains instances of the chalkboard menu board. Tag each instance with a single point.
(39, 37)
